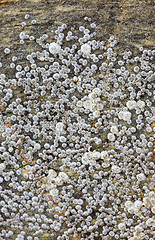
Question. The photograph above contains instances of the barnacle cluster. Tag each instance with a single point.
(77, 135)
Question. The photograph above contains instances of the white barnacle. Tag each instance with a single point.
(150, 222)
(141, 104)
(138, 228)
(63, 176)
(128, 204)
(86, 49)
(37, 146)
(60, 127)
(126, 116)
(141, 176)
(146, 202)
(87, 104)
(54, 48)
(96, 114)
(2, 166)
(138, 204)
(153, 210)
(120, 115)
(121, 226)
(58, 181)
(50, 185)
(114, 129)
(131, 104)
(22, 35)
(54, 192)
(131, 210)
(79, 104)
(96, 155)
(111, 137)
(104, 155)
(52, 174)
(115, 169)
(97, 91)
(86, 158)
(92, 95)
(105, 164)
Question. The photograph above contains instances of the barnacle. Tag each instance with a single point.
(76, 124)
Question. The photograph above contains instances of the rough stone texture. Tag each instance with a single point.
(130, 21)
